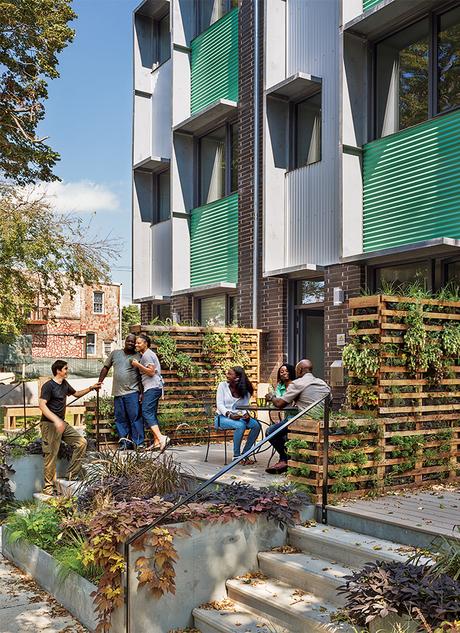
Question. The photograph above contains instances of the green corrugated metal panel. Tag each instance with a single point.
(214, 242)
(412, 184)
(215, 63)
(367, 4)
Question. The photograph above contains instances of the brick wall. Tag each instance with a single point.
(183, 305)
(350, 278)
(272, 295)
(146, 311)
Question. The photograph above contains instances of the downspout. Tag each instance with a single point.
(255, 261)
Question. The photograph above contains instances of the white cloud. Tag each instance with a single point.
(83, 196)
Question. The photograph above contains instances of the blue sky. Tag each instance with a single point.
(88, 121)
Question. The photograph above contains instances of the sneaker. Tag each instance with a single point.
(125, 444)
(164, 442)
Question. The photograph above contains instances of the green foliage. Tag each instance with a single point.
(38, 524)
(42, 257)
(300, 471)
(450, 337)
(32, 33)
(171, 358)
(130, 315)
(361, 360)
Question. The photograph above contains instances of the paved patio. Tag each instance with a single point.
(192, 460)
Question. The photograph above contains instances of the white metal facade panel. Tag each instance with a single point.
(161, 258)
(312, 192)
(162, 110)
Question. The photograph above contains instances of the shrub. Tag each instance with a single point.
(446, 552)
(401, 588)
(38, 524)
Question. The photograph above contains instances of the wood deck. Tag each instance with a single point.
(436, 511)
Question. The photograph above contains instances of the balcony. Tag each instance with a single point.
(38, 316)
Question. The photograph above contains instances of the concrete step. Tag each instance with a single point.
(68, 488)
(344, 547)
(40, 497)
(305, 571)
(284, 605)
(237, 621)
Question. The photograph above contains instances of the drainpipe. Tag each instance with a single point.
(255, 263)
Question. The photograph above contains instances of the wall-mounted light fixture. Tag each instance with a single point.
(338, 296)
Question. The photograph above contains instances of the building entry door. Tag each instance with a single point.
(309, 338)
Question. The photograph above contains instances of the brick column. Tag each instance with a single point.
(350, 278)
(272, 294)
(183, 305)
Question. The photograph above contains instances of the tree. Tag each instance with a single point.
(130, 315)
(43, 254)
(32, 33)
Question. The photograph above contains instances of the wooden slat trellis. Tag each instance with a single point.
(411, 437)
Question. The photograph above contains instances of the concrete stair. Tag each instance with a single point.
(296, 591)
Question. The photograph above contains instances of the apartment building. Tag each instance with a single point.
(287, 154)
(86, 325)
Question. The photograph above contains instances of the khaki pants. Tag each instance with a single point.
(51, 441)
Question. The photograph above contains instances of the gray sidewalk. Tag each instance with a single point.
(26, 608)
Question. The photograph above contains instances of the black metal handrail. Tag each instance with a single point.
(325, 400)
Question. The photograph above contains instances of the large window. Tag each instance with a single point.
(209, 11)
(218, 162)
(154, 40)
(218, 310)
(399, 277)
(307, 131)
(453, 273)
(417, 73)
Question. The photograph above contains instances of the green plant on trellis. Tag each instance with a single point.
(362, 360)
(171, 358)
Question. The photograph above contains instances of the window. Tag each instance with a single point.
(409, 88)
(307, 131)
(218, 162)
(309, 291)
(107, 347)
(453, 273)
(162, 207)
(448, 60)
(400, 276)
(98, 302)
(218, 310)
(209, 11)
(163, 39)
(154, 40)
(90, 343)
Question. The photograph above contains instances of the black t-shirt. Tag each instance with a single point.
(55, 395)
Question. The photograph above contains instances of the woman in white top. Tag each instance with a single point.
(236, 391)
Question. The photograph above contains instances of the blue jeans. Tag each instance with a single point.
(150, 406)
(239, 427)
(128, 419)
(279, 442)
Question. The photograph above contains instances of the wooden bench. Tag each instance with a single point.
(75, 414)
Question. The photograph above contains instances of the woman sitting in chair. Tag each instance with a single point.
(286, 374)
(236, 391)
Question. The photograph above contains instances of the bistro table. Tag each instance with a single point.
(254, 408)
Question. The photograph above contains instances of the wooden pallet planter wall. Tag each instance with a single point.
(189, 402)
(411, 433)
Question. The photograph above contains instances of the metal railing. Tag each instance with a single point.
(325, 401)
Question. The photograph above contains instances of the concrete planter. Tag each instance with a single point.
(28, 475)
(73, 591)
(394, 624)
(207, 559)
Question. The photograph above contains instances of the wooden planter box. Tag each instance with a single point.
(362, 457)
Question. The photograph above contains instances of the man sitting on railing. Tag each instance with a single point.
(302, 391)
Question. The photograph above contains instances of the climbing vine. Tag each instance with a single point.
(171, 358)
